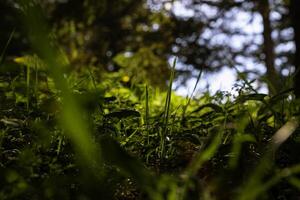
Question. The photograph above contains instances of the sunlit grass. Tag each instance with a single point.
(132, 139)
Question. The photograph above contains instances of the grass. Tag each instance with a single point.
(167, 112)
(87, 138)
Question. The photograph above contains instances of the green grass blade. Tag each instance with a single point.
(192, 94)
(147, 113)
(167, 110)
(6, 46)
(28, 86)
(72, 115)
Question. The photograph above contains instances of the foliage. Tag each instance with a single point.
(210, 152)
(82, 134)
(217, 34)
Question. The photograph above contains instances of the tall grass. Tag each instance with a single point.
(71, 117)
(91, 155)
(167, 111)
(191, 96)
(147, 113)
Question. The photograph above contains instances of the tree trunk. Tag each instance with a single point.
(295, 19)
(273, 77)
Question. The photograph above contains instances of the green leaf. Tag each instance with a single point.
(255, 97)
(209, 105)
(125, 113)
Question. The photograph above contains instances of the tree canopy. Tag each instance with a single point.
(253, 37)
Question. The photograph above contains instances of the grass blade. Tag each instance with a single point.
(6, 46)
(167, 110)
